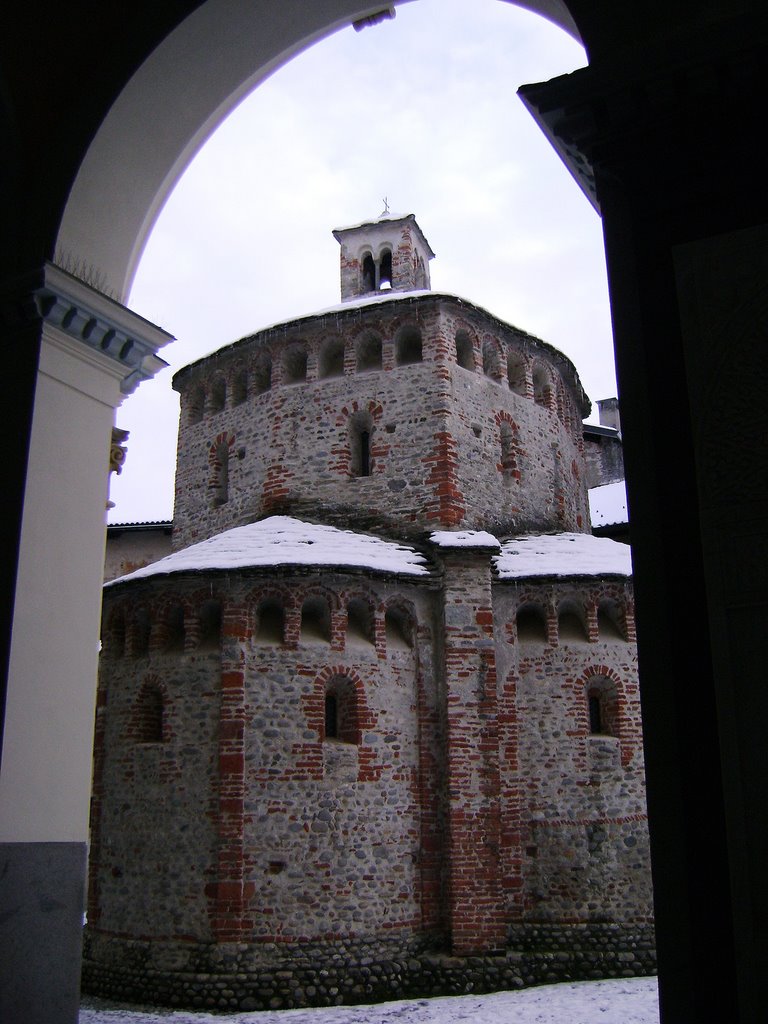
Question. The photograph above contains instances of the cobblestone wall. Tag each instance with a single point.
(468, 423)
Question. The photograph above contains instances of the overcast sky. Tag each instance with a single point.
(421, 110)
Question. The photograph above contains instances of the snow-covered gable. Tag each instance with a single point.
(563, 554)
(282, 540)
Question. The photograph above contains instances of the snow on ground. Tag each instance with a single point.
(563, 554)
(619, 1001)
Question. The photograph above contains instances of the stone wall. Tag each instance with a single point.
(478, 788)
(468, 422)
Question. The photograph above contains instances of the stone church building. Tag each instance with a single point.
(373, 728)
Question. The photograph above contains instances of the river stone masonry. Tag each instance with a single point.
(351, 742)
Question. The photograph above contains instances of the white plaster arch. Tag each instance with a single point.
(173, 103)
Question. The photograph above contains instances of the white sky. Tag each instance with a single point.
(621, 1001)
(422, 110)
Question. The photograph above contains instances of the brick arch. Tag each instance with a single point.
(491, 355)
(404, 607)
(574, 604)
(219, 454)
(163, 607)
(364, 719)
(615, 707)
(367, 345)
(281, 595)
(365, 596)
(148, 720)
(462, 329)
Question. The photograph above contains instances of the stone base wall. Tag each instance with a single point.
(228, 979)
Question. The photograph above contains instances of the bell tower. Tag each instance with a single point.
(386, 254)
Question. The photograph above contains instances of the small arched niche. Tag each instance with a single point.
(316, 620)
(210, 625)
(408, 347)
(609, 624)
(360, 623)
(465, 355)
(262, 374)
(531, 624)
(270, 621)
(399, 629)
(295, 365)
(331, 362)
(570, 623)
(368, 353)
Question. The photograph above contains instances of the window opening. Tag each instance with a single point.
(595, 714)
(516, 373)
(368, 274)
(331, 717)
(385, 270)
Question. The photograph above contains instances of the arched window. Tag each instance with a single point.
(359, 622)
(331, 362)
(368, 353)
(210, 625)
(342, 719)
(570, 624)
(316, 620)
(368, 274)
(262, 374)
(149, 715)
(602, 706)
(408, 347)
(531, 625)
(295, 365)
(399, 629)
(385, 270)
(270, 624)
(465, 356)
(217, 397)
(360, 436)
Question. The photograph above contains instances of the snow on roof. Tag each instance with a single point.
(464, 539)
(608, 504)
(563, 554)
(282, 540)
